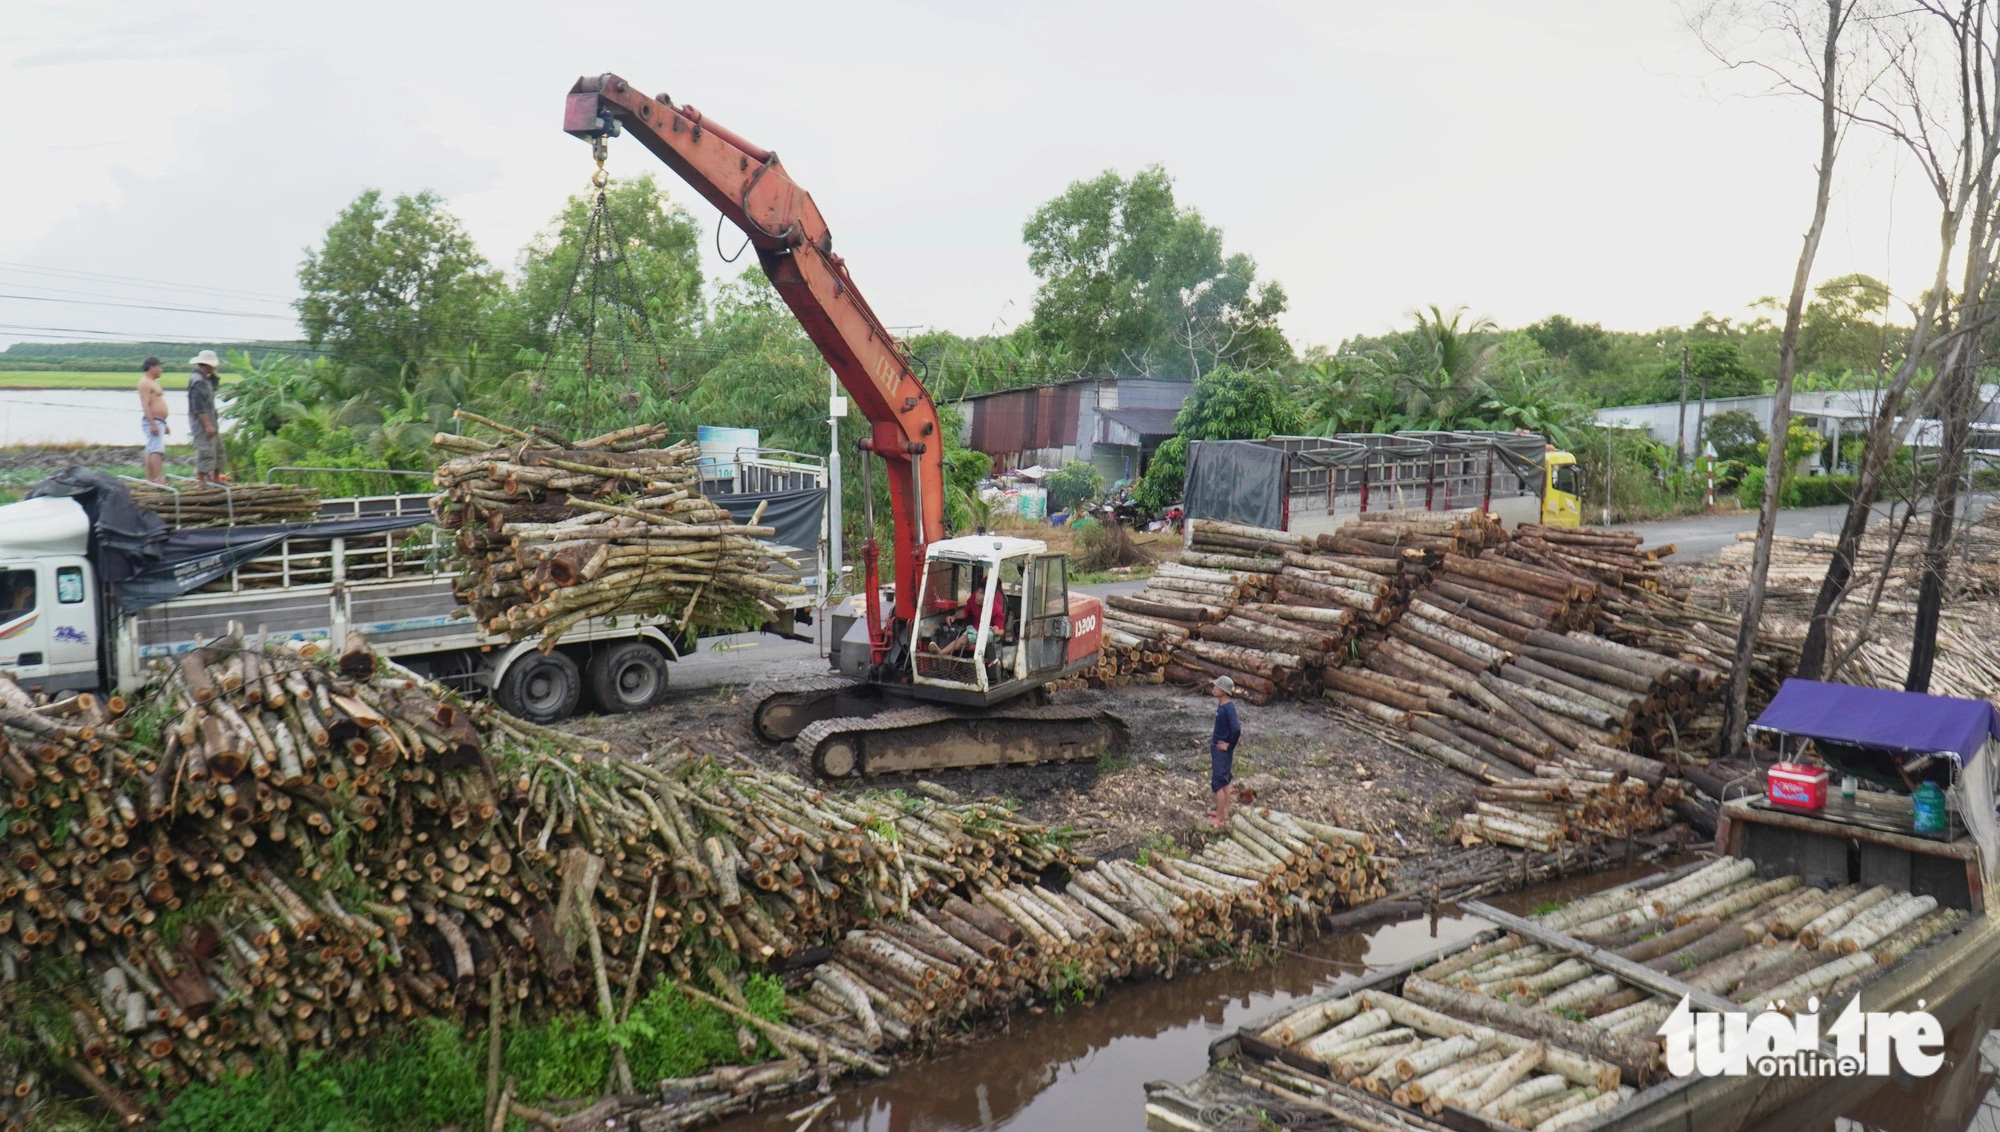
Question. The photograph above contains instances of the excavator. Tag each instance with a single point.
(948, 665)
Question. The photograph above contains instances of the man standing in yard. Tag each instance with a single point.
(1222, 750)
(202, 419)
(153, 420)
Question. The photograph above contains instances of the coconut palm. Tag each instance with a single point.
(1436, 368)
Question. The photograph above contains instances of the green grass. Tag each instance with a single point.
(435, 1075)
(70, 379)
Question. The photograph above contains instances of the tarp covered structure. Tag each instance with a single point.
(1912, 723)
(1881, 719)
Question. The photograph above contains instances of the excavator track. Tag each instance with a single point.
(786, 707)
(928, 737)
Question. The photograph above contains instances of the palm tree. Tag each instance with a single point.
(1436, 368)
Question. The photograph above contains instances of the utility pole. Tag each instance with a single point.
(836, 408)
(1681, 421)
(1701, 419)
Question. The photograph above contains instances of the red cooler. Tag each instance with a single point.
(1797, 786)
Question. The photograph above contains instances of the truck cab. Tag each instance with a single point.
(1562, 490)
(49, 630)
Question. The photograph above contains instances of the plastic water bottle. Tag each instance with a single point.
(1928, 804)
(1847, 787)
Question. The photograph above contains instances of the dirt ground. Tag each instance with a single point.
(1298, 757)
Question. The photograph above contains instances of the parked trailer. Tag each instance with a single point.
(375, 564)
(1328, 480)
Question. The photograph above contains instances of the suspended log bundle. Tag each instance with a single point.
(228, 504)
(552, 532)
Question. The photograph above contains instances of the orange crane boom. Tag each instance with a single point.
(795, 246)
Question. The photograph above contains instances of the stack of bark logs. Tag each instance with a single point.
(1540, 1037)
(1614, 558)
(228, 504)
(1725, 931)
(552, 532)
(280, 848)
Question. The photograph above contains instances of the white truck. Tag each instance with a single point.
(375, 564)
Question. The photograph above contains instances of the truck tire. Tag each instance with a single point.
(541, 687)
(628, 676)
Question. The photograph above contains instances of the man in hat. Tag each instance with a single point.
(153, 420)
(1222, 749)
(203, 421)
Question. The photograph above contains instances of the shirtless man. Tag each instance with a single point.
(153, 420)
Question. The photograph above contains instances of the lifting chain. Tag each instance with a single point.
(604, 308)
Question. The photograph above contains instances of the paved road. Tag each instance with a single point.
(743, 658)
(1700, 538)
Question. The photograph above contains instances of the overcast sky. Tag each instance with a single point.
(1579, 156)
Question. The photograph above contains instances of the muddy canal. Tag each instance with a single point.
(1083, 1068)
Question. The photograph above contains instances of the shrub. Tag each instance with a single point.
(1100, 546)
(1074, 482)
(1798, 491)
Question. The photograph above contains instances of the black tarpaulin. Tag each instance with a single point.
(196, 557)
(125, 538)
(795, 515)
(1237, 481)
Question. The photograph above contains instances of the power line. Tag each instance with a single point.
(146, 307)
(130, 281)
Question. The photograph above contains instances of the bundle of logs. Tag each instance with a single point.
(1542, 1037)
(1614, 558)
(1726, 931)
(552, 532)
(282, 848)
(1429, 1047)
(228, 504)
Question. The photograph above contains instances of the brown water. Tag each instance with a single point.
(1084, 1068)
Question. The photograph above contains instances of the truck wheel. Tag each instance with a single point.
(541, 687)
(629, 676)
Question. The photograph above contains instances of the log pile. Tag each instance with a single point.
(228, 504)
(282, 848)
(1612, 557)
(1537, 1037)
(552, 532)
(1889, 560)
(1726, 931)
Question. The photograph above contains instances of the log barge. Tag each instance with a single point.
(1552, 1022)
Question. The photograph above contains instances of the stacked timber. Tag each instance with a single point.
(226, 505)
(282, 847)
(1143, 630)
(1616, 558)
(553, 532)
(1516, 1032)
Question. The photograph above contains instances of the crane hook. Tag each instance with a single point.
(599, 151)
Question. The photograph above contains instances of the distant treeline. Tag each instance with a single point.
(120, 357)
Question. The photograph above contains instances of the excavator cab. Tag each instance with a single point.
(992, 612)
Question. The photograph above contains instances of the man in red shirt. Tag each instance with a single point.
(976, 600)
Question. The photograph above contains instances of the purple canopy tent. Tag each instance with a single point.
(1881, 719)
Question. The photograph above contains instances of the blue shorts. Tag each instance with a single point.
(156, 435)
(1221, 764)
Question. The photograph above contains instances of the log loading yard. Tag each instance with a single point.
(273, 838)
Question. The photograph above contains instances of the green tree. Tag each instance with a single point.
(1224, 404)
(1584, 346)
(1735, 434)
(656, 277)
(1719, 362)
(1438, 368)
(392, 285)
(1846, 330)
(1074, 482)
(1132, 280)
